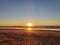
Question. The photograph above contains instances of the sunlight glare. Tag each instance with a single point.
(29, 24)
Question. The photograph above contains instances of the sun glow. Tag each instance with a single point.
(29, 24)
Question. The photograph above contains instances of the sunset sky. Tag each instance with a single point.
(38, 12)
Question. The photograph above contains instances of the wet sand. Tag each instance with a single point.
(29, 37)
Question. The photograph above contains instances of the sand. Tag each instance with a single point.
(29, 37)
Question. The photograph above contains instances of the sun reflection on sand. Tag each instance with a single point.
(29, 28)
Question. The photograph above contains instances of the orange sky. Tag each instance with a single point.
(34, 24)
(38, 12)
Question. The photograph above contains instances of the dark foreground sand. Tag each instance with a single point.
(29, 37)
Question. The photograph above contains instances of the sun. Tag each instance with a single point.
(29, 24)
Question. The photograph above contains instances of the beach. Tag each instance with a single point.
(29, 37)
